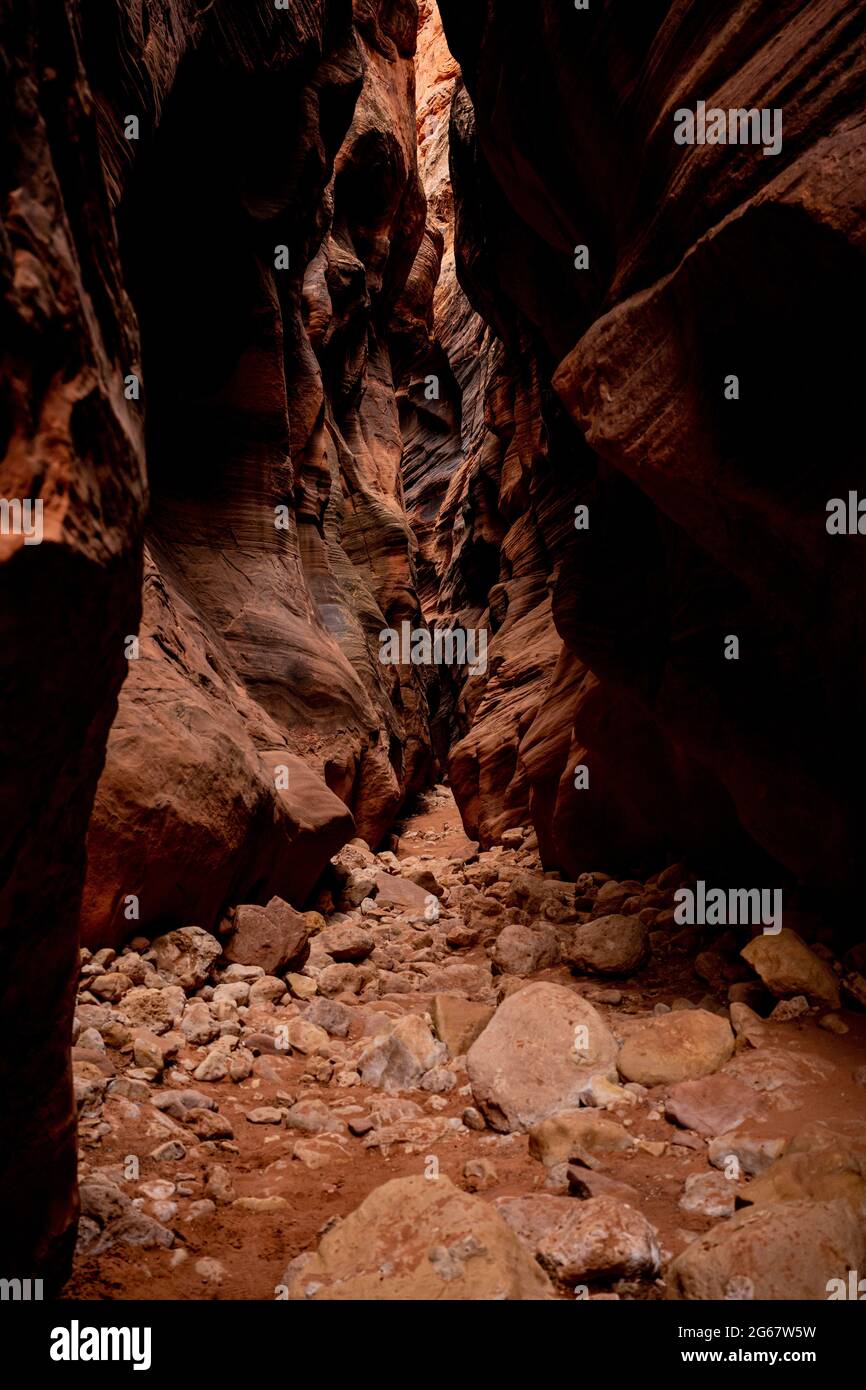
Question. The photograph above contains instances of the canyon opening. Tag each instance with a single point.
(431, 772)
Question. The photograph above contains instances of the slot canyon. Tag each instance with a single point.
(326, 976)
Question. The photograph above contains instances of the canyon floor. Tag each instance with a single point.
(229, 1122)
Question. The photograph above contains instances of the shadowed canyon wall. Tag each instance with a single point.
(707, 515)
(210, 288)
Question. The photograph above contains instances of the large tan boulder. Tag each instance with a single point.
(537, 1054)
(679, 1046)
(788, 967)
(788, 1250)
(419, 1239)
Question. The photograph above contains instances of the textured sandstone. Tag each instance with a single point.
(414, 1239)
(536, 1055)
(696, 271)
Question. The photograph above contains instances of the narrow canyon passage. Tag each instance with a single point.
(433, 707)
(214, 1164)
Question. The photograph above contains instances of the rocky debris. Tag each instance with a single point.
(560, 1136)
(458, 1022)
(415, 1238)
(600, 1239)
(816, 1168)
(521, 951)
(186, 955)
(394, 891)
(265, 1115)
(610, 945)
(479, 1174)
(273, 937)
(539, 1050)
(333, 1017)
(158, 1010)
(534, 1215)
(713, 1105)
(709, 1194)
(397, 1061)
(746, 1153)
(108, 1216)
(747, 1025)
(832, 1023)
(306, 1037)
(358, 886)
(776, 1074)
(347, 942)
(326, 1083)
(788, 1250)
(788, 967)
(680, 1046)
(198, 1024)
(606, 1095)
(585, 1183)
(789, 1009)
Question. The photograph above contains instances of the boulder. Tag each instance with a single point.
(156, 1009)
(713, 1105)
(788, 967)
(458, 1022)
(421, 1240)
(536, 1055)
(396, 1061)
(680, 1046)
(786, 1250)
(709, 1194)
(275, 937)
(347, 942)
(520, 950)
(753, 1152)
(557, 1138)
(600, 1239)
(392, 891)
(613, 945)
(814, 1168)
(187, 955)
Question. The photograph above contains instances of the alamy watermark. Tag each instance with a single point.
(846, 516)
(21, 1290)
(720, 907)
(442, 646)
(22, 518)
(852, 1288)
(77, 1343)
(737, 126)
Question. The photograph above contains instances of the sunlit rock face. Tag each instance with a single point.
(707, 511)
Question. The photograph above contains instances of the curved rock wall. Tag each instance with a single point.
(707, 514)
(256, 715)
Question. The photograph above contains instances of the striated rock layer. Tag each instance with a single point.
(707, 514)
(265, 255)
